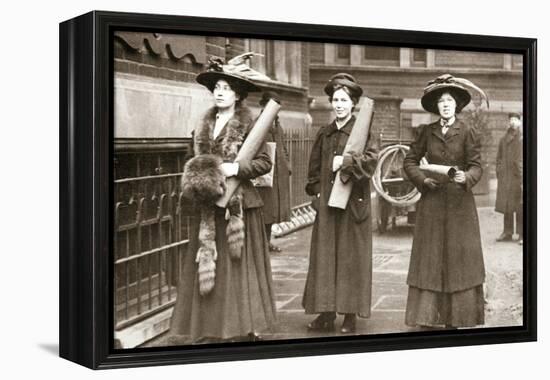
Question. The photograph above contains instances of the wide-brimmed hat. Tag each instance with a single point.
(267, 95)
(343, 79)
(232, 73)
(514, 114)
(440, 85)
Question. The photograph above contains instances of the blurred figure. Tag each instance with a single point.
(277, 197)
(510, 179)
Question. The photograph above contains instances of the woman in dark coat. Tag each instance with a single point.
(446, 271)
(225, 290)
(339, 277)
(277, 197)
(510, 178)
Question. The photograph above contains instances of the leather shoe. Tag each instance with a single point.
(274, 248)
(504, 237)
(254, 337)
(348, 327)
(324, 322)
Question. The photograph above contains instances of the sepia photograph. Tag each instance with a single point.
(269, 189)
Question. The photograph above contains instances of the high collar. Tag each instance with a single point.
(449, 123)
(512, 131)
(455, 125)
(454, 130)
(230, 137)
(512, 134)
(345, 129)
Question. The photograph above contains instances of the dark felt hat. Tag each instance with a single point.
(217, 71)
(343, 79)
(514, 114)
(266, 95)
(440, 85)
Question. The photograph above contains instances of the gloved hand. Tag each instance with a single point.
(431, 183)
(460, 177)
(229, 169)
(337, 162)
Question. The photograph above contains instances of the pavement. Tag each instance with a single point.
(391, 253)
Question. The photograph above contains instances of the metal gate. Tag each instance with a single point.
(151, 226)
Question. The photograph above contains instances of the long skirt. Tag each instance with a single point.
(459, 309)
(339, 277)
(242, 300)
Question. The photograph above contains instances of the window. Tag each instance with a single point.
(343, 51)
(379, 53)
(419, 55)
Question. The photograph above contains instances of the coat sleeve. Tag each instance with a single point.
(313, 186)
(520, 166)
(519, 160)
(473, 158)
(499, 159)
(358, 166)
(281, 141)
(259, 165)
(412, 159)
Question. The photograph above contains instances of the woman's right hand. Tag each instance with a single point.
(431, 183)
(315, 202)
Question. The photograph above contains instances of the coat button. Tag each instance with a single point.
(360, 199)
(332, 181)
(334, 152)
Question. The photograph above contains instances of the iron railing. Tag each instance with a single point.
(151, 223)
(151, 219)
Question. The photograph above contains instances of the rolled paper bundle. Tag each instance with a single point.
(251, 145)
(445, 170)
(340, 193)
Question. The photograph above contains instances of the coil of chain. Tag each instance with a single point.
(391, 152)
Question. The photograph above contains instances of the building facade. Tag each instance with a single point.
(158, 103)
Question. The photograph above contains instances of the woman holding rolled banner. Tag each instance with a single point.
(225, 292)
(446, 271)
(339, 277)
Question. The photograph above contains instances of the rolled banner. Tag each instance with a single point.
(340, 193)
(445, 170)
(251, 145)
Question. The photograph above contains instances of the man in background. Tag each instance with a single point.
(276, 198)
(510, 179)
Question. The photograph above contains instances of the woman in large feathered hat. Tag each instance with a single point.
(225, 290)
(446, 272)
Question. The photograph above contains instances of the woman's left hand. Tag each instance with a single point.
(460, 177)
(337, 162)
(229, 169)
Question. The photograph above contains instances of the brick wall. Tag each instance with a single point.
(451, 58)
(145, 62)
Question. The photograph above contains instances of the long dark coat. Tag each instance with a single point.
(340, 262)
(509, 172)
(277, 198)
(446, 254)
(242, 300)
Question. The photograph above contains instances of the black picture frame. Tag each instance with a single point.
(86, 154)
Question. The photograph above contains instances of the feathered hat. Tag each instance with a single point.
(236, 70)
(457, 87)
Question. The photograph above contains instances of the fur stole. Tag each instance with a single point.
(204, 183)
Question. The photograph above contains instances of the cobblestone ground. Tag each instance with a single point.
(391, 253)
